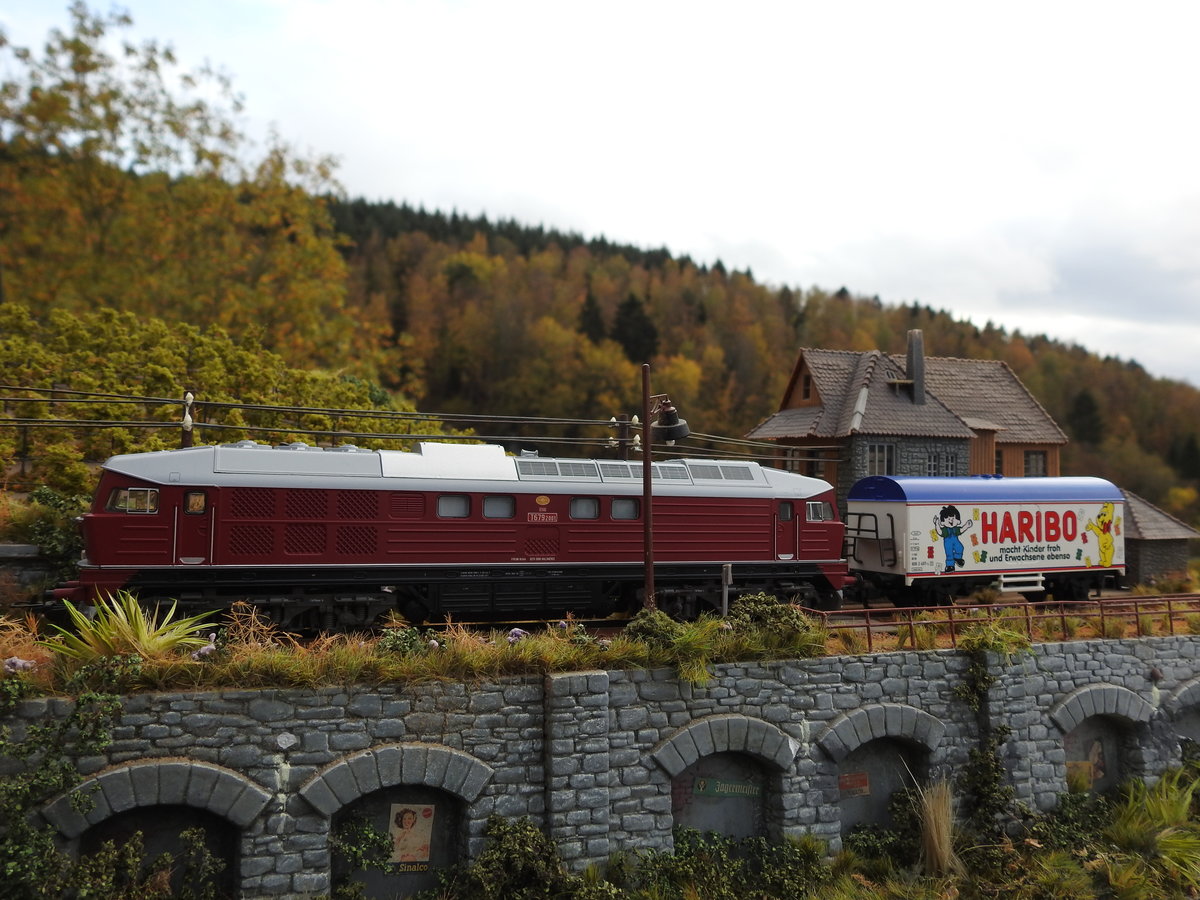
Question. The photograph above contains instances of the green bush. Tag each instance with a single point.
(48, 521)
(518, 863)
(403, 640)
(702, 865)
(653, 627)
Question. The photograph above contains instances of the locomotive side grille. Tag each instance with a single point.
(357, 505)
(408, 505)
(737, 473)
(541, 546)
(700, 471)
(671, 473)
(356, 540)
(301, 538)
(537, 467)
(251, 503)
(577, 469)
(250, 540)
(306, 504)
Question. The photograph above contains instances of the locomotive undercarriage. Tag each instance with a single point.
(943, 591)
(339, 599)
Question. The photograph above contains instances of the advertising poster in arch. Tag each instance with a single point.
(411, 828)
(1002, 537)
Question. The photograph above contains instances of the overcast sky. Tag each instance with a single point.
(1032, 164)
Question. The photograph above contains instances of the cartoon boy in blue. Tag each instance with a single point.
(949, 524)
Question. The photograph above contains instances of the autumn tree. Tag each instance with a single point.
(126, 185)
(115, 355)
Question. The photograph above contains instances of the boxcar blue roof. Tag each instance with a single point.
(983, 489)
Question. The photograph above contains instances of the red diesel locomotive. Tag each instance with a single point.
(336, 537)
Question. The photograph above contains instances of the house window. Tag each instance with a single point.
(806, 390)
(944, 465)
(815, 468)
(792, 461)
(999, 462)
(881, 459)
(1035, 463)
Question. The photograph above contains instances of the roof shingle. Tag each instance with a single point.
(1145, 521)
(869, 393)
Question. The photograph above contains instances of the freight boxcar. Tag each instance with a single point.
(923, 541)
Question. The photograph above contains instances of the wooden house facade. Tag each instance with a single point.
(849, 414)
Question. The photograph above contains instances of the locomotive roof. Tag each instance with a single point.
(296, 464)
(983, 489)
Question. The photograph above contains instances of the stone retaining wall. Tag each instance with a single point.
(593, 757)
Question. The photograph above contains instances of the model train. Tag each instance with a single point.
(325, 538)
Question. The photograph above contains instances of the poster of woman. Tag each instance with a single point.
(411, 828)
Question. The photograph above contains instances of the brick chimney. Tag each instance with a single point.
(915, 365)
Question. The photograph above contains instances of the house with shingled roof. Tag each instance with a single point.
(1156, 543)
(849, 414)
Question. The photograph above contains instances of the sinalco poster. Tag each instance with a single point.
(411, 827)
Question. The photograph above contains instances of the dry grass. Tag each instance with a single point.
(938, 856)
(250, 652)
(19, 640)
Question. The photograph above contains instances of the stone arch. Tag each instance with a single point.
(1099, 700)
(200, 785)
(1184, 697)
(851, 730)
(724, 734)
(341, 783)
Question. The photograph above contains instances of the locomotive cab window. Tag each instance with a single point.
(585, 508)
(454, 506)
(624, 508)
(786, 512)
(195, 503)
(499, 507)
(133, 500)
(820, 511)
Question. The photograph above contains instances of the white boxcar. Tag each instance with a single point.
(921, 541)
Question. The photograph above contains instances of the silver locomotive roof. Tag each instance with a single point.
(291, 465)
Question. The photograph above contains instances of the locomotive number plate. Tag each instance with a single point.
(541, 517)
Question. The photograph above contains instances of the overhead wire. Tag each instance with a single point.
(740, 448)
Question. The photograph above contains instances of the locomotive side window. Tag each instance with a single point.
(624, 508)
(195, 503)
(787, 512)
(585, 508)
(454, 506)
(133, 500)
(499, 507)
(820, 511)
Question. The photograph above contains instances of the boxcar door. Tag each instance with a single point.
(785, 530)
(193, 529)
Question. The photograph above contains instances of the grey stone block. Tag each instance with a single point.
(365, 769)
(117, 787)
